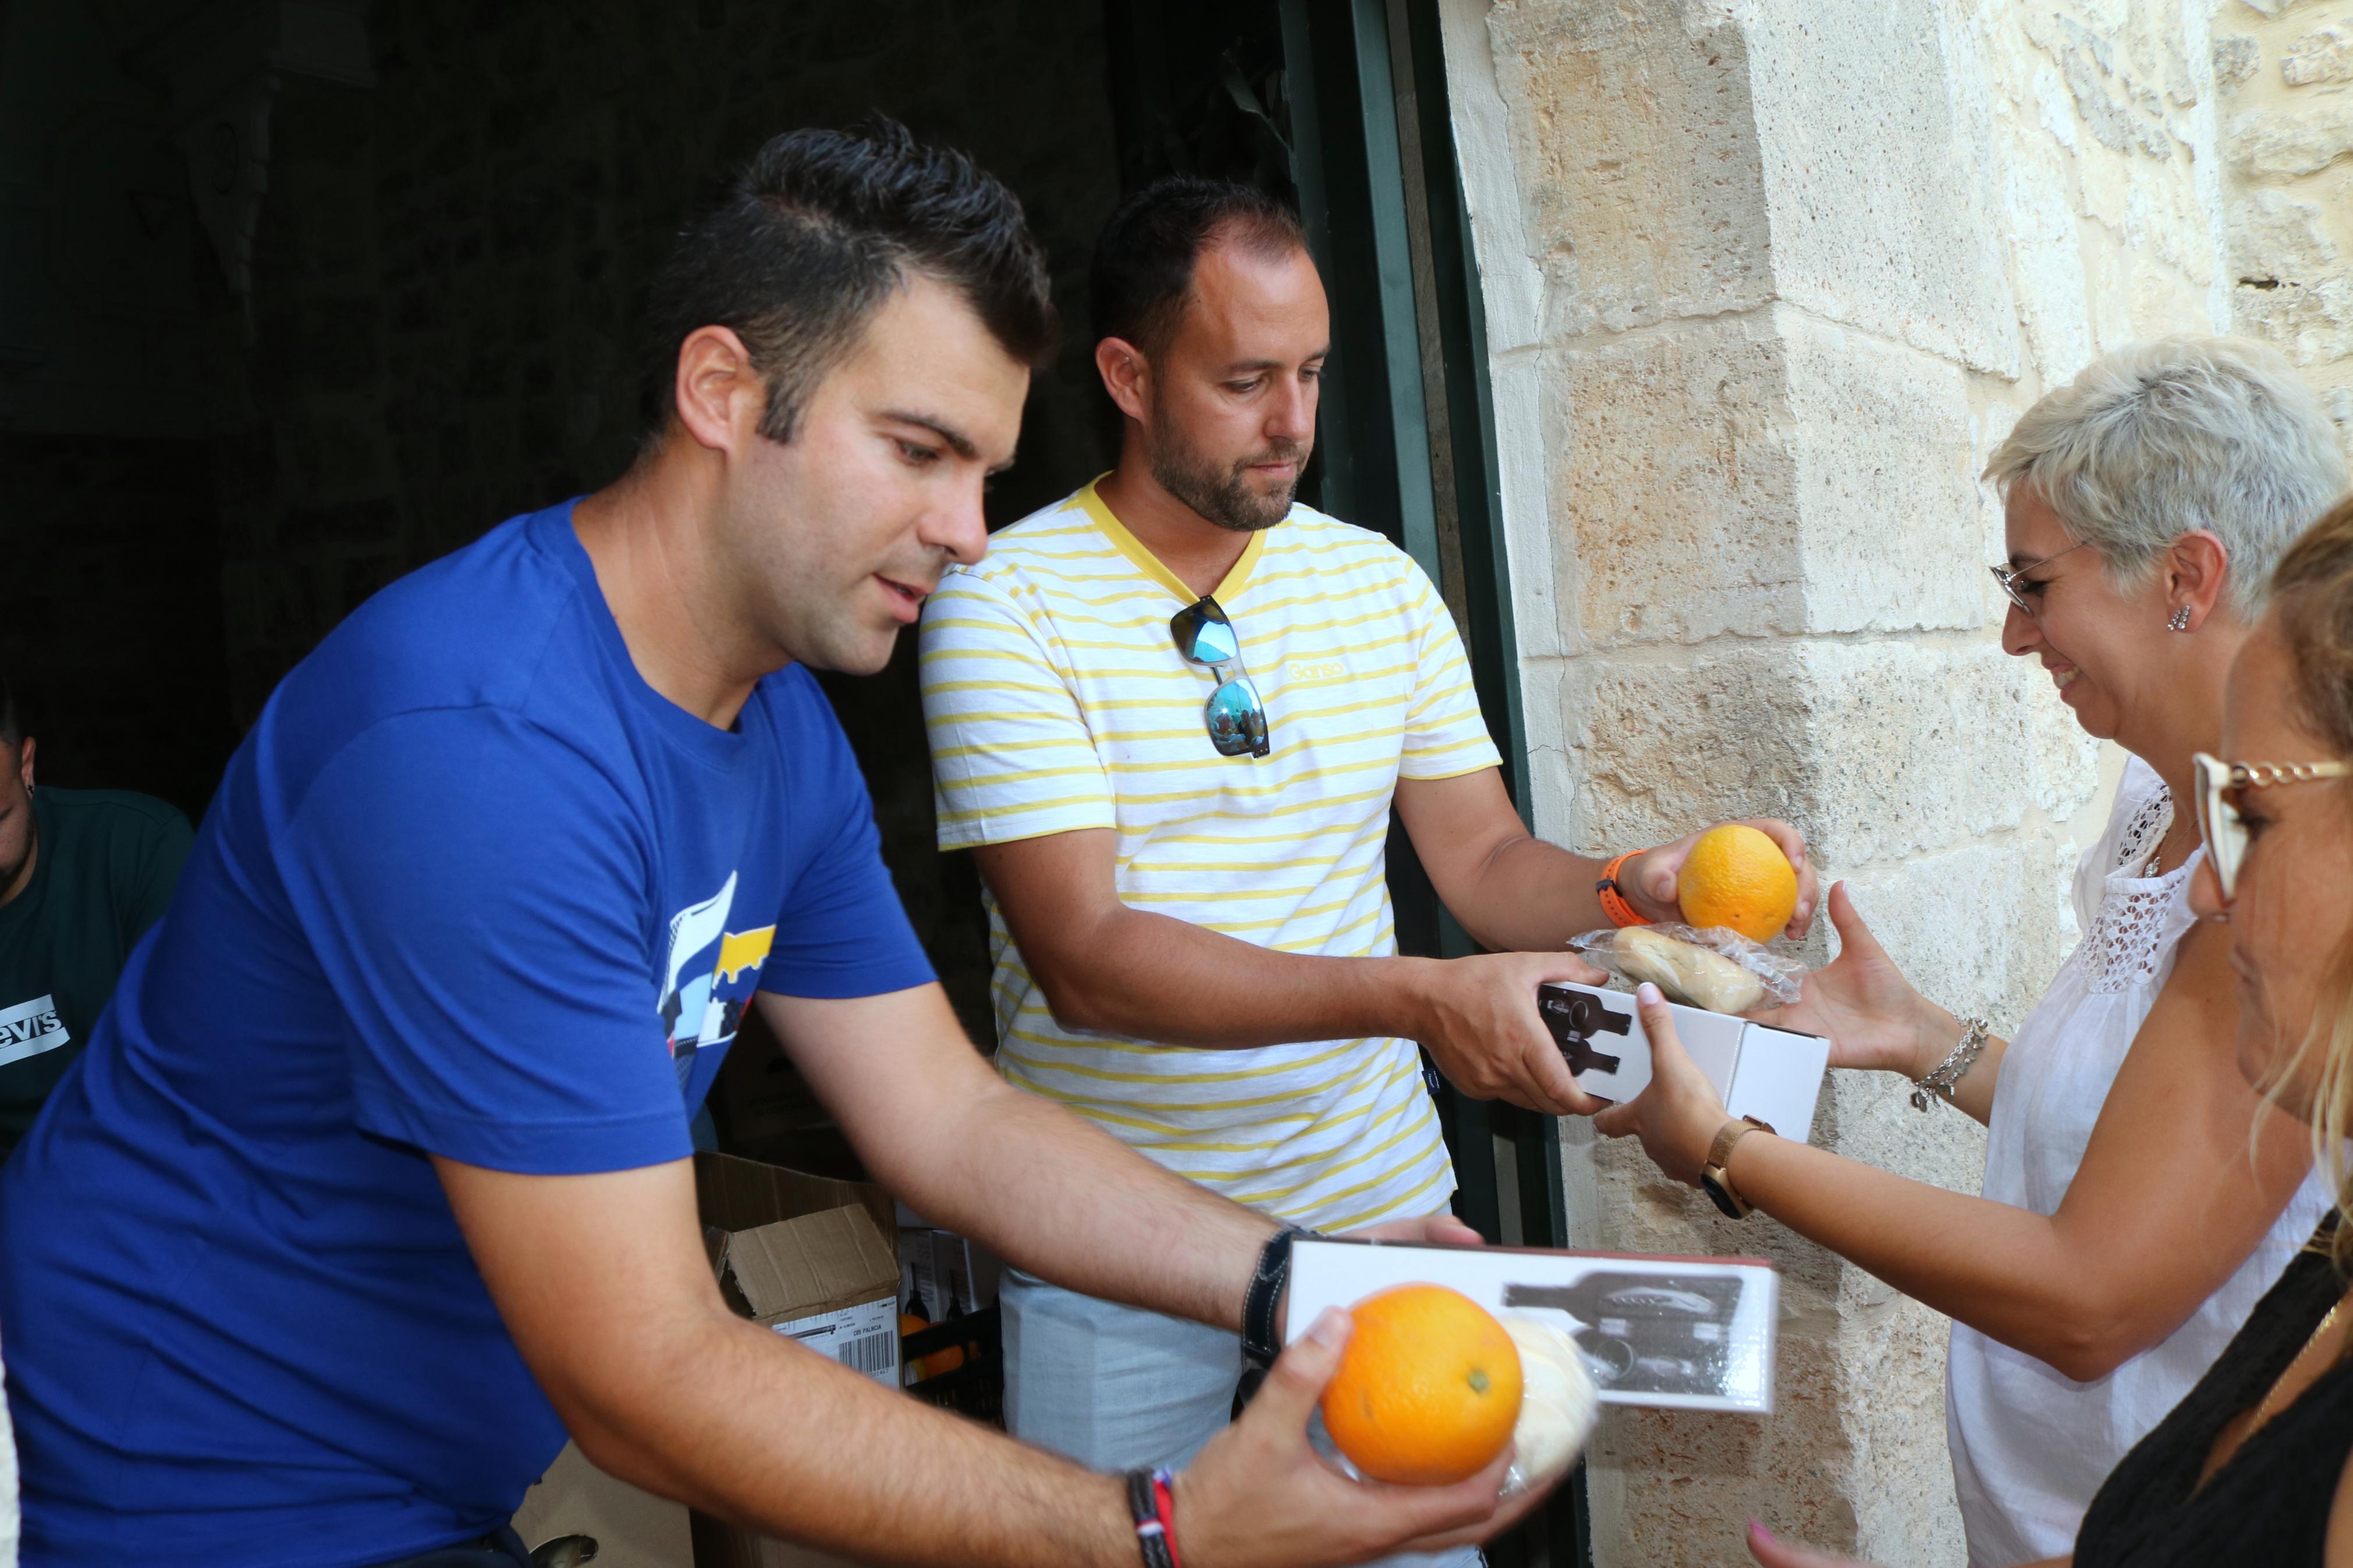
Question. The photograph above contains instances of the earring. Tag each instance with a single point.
(2180, 621)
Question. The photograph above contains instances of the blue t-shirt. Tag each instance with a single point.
(470, 887)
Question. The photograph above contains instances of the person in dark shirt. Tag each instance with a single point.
(83, 874)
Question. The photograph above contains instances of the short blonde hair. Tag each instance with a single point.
(2160, 438)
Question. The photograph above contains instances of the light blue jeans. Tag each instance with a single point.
(1117, 1388)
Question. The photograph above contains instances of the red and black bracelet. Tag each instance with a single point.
(1151, 1499)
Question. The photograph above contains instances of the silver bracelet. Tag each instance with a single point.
(1938, 1086)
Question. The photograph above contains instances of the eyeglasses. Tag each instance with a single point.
(2009, 576)
(1235, 718)
(2219, 822)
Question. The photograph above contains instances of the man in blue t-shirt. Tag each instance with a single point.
(373, 1178)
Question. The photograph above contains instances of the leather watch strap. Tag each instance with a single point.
(1259, 1345)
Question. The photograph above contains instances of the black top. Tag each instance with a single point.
(104, 869)
(2270, 1504)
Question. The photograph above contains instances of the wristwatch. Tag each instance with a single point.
(1713, 1179)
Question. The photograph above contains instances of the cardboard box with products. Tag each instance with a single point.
(807, 1257)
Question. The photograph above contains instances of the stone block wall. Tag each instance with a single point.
(1765, 285)
(2284, 70)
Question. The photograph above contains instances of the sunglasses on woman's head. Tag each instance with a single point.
(2219, 822)
(1235, 716)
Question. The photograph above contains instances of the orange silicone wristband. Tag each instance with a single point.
(1613, 903)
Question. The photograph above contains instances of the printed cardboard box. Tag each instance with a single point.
(803, 1255)
(808, 1257)
(1689, 1334)
(632, 1528)
(1772, 1074)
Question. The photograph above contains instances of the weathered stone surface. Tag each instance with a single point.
(1888, 531)
(2338, 401)
(2282, 142)
(1979, 928)
(2039, 210)
(2236, 59)
(1903, 741)
(2294, 288)
(1766, 543)
(1632, 129)
(2324, 54)
(1672, 464)
(1655, 744)
(1872, 140)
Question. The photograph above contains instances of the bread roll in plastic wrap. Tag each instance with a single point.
(1689, 974)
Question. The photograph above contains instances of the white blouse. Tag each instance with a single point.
(2030, 1444)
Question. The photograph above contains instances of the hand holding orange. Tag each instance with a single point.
(1428, 1389)
(1736, 877)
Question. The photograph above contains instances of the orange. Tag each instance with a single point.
(1737, 878)
(1427, 1389)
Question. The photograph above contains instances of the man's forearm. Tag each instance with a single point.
(1062, 1199)
(1177, 983)
(1530, 896)
(1051, 1193)
(743, 1423)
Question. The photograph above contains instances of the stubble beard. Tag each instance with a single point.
(1223, 495)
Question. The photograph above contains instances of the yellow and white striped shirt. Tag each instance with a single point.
(1056, 701)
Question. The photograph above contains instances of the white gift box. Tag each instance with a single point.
(1685, 1334)
(1770, 1074)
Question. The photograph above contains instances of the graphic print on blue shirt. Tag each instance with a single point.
(712, 1006)
(470, 889)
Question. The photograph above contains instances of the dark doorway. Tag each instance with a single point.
(366, 294)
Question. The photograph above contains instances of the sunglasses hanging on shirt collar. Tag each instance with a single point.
(1234, 714)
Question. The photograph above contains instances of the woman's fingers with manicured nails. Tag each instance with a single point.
(1678, 1115)
(1774, 1552)
(1666, 1051)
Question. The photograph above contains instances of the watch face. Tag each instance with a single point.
(1712, 1184)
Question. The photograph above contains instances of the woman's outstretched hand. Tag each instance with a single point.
(1679, 1115)
(1859, 1002)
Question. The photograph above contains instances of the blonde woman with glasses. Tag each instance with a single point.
(2124, 1233)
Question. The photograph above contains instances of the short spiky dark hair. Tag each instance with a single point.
(1146, 255)
(815, 232)
(12, 728)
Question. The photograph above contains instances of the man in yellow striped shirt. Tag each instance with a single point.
(1171, 715)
